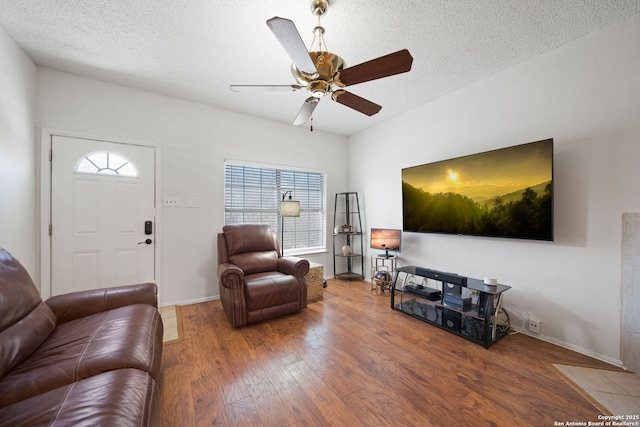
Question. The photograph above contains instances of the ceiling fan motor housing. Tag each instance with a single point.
(327, 64)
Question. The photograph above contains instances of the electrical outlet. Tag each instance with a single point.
(534, 326)
(171, 201)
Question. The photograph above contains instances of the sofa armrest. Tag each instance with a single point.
(295, 266)
(230, 275)
(80, 304)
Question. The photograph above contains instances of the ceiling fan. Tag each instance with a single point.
(323, 73)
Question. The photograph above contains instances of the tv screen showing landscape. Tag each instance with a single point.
(500, 193)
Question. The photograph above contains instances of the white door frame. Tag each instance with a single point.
(44, 205)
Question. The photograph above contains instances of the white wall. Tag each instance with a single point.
(194, 140)
(585, 95)
(17, 155)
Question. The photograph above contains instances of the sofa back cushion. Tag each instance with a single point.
(252, 247)
(25, 321)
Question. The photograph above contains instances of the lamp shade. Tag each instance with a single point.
(289, 208)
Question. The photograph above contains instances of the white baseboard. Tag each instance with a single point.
(577, 349)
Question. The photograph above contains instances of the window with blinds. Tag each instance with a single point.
(252, 194)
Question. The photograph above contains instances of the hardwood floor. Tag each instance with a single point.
(349, 360)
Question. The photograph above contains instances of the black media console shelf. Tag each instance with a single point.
(461, 305)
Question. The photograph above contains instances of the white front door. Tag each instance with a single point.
(102, 214)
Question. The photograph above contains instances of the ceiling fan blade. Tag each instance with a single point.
(289, 37)
(306, 111)
(385, 66)
(356, 102)
(265, 88)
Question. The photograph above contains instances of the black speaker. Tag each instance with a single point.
(451, 289)
(451, 320)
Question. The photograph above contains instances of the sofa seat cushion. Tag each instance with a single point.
(125, 337)
(124, 397)
(270, 289)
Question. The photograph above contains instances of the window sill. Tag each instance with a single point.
(304, 252)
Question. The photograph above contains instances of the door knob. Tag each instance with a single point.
(148, 242)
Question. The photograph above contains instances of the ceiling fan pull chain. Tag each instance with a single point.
(311, 127)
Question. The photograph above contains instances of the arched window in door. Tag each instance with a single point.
(106, 163)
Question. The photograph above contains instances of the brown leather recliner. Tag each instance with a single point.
(256, 282)
(83, 358)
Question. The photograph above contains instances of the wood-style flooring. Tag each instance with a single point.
(349, 360)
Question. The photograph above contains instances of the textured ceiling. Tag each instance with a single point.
(195, 49)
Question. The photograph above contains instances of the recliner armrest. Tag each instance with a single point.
(80, 304)
(230, 275)
(295, 266)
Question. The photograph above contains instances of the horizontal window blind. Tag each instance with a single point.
(253, 195)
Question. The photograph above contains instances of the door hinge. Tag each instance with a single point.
(50, 229)
(50, 155)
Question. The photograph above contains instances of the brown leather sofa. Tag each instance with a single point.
(86, 358)
(256, 282)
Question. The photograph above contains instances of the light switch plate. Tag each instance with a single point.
(192, 202)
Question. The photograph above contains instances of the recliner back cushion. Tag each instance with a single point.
(22, 339)
(25, 321)
(251, 247)
(256, 262)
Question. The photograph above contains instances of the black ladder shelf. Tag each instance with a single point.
(347, 233)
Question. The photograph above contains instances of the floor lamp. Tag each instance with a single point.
(288, 208)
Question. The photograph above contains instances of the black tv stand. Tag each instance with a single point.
(477, 321)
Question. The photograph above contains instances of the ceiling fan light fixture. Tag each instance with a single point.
(318, 88)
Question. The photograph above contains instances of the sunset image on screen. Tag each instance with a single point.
(385, 239)
(506, 192)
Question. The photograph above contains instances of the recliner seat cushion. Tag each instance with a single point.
(270, 289)
(125, 337)
(123, 398)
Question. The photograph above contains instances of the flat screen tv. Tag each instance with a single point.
(386, 239)
(501, 193)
